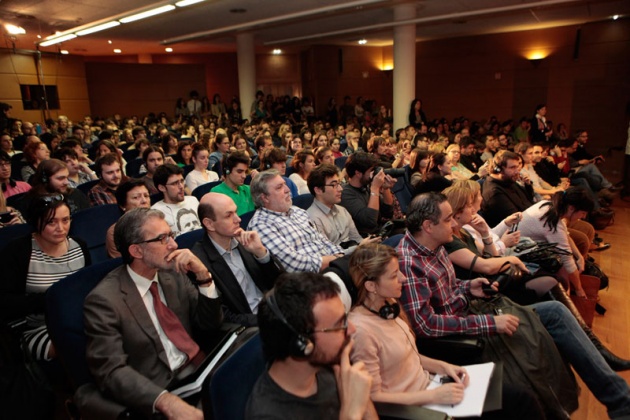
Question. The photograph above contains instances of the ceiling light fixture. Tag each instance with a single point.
(54, 41)
(148, 13)
(277, 51)
(64, 52)
(615, 17)
(14, 30)
(117, 51)
(362, 41)
(98, 28)
(168, 49)
(185, 3)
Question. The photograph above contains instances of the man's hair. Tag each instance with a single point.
(318, 176)
(230, 161)
(500, 160)
(320, 154)
(424, 207)
(206, 210)
(149, 150)
(259, 143)
(106, 159)
(76, 128)
(523, 147)
(125, 187)
(4, 156)
(71, 143)
(361, 162)
(258, 186)
(466, 141)
(137, 130)
(164, 172)
(295, 295)
(271, 156)
(129, 229)
(63, 152)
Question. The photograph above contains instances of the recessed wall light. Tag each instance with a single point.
(117, 51)
(64, 52)
(277, 51)
(615, 17)
(362, 41)
(109, 41)
(168, 49)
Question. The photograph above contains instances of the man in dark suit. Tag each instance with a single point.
(139, 319)
(242, 268)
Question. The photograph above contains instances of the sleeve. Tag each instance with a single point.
(366, 350)
(497, 206)
(363, 216)
(426, 322)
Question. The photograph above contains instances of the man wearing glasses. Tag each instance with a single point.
(139, 319)
(332, 220)
(306, 337)
(180, 210)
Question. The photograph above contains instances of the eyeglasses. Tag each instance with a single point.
(334, 184)
(163, 238)
(50, 199)
(178, 183)
(342, 327)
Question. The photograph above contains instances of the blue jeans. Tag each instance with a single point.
(582, 182)
(593, 175)
(608, 387)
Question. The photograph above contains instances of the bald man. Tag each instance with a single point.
(242, 268)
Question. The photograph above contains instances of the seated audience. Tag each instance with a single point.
(235, 167)
(35, 262)
(367, 196)
(286, 230)
(437, 176)
(242, 268)
(133, 193)
(306, 340)
(437, 305)
(153, 158)
(180, 210)
(108, 170)
(148, 303)
(200, 174)
(468, 155)
(78, 173)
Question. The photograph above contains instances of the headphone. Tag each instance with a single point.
(227, 171)
(300, 345)
(387, 311)
(496, 166)
(44, 177)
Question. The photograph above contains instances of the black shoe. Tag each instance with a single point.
(616, 188)
(601, 247)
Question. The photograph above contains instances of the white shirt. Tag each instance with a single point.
(181, 217)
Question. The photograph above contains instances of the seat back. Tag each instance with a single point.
(64, 318)
(133, 166)
(9, 233)
(402, 193)
(204, 189)
(91, 225)
(188, 239)
(87, 186)
(233, 381)
(303, 201)
(14, 199)
(245, 218)
(340, 162)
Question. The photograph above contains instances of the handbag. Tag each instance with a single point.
(545, 254)
(592, 269)
(586, 305)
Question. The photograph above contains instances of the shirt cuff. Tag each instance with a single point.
(210, 291)
(155, 410)
(264, 259)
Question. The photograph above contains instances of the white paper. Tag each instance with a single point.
(474, 394)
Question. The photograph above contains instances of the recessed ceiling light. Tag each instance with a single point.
(117, 51)
(277, 51)
(362, 41)
(109, 41)
(39, 37)
(615, 17)
(14, 30)
(64, 52)
(168, 49)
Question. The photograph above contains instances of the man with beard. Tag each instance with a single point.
(108, 169)
(180, 210)
(305, 332)
(502, 195)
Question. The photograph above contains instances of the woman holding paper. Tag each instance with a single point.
(385, 343)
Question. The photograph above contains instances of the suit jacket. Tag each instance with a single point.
(235, 307)
(501, 199)
(124, 352)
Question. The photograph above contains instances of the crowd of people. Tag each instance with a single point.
(339, 312)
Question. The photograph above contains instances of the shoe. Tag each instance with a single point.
(600, 247)
(597, 240)
(615, 188)
(606, 194)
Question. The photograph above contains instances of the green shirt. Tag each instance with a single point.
(242, 198)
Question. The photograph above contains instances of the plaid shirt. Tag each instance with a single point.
(434, 299)
(100, 195)
(292, 238)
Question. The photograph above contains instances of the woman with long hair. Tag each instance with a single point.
(241, 145)
(418, 165)
(33, 263)
(169, 145)
(303, 162)
(416, 114)
(437, 176)
(319, 140)
(184, 154)
(200, 174)
(221, 147)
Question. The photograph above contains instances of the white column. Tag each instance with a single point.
(404, 64)
(246, 59)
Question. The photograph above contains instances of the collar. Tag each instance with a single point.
(418, 247)
(222, 251)
(277, 213)
(324, 208)
(141, 283)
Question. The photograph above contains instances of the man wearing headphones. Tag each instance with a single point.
(306, 338)
(502, 195)
(235, 166)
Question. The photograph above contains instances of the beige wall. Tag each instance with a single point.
(67, 72)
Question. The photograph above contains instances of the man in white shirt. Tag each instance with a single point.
(180, 211)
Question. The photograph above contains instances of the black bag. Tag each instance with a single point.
(546, 255)
(592, 269)
(530, 357)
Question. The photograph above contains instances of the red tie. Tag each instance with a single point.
(172, 326)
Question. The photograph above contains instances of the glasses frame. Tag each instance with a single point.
(334, 185)
(342, 327)
(163, 238)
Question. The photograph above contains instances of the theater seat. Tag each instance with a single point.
(91, 225)
(204, 189)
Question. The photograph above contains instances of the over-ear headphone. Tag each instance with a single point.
(496, 166)
(300, 345)
(44, 177)
(387, 311)
(227, 171)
